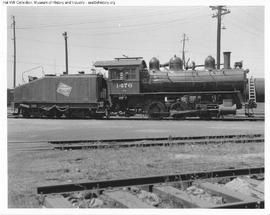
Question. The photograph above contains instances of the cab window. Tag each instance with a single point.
(130, 74)
(116, 74)
(123, 74)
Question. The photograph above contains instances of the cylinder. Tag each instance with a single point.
(223, 110)
(227, 60)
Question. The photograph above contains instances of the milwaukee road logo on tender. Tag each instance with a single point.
(64, 89)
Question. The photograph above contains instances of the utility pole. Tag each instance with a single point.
(183, 50)
(14, 52)
(54, 64)
(221, 10)
(66, 48)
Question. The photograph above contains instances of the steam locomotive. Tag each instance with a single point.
(131, 88)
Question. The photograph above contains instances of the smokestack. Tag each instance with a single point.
(227, 60)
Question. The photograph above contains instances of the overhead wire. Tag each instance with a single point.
(81, 15)
(51, 65)
(152, 26)
(117, 19)
(243, 28)
(253, 27)
(156, 25)
(241, 21)
(248, 14)
(85, 46)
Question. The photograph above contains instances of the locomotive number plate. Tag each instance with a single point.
(124, 85)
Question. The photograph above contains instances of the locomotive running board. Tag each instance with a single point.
(183, 113)
(194, 93)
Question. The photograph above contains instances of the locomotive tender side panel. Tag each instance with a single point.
(63, 89)
(71, 96)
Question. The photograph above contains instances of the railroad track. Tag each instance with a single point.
(259, 117)
(149, 142)
(226, 188)
(134, 142)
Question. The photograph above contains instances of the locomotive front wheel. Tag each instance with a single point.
(156, 109)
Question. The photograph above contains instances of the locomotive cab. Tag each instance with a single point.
(124, 75)
(124, 78)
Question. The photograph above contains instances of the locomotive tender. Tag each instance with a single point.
(72, 95)
(132, 88)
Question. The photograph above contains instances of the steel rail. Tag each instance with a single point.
(149, 180)
(150, 144)
(257, 204)
(233, 136)
(142, 139)
(255, 118)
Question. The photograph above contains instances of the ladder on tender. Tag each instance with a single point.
(251, 97)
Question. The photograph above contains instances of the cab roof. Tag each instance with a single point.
(117, 62)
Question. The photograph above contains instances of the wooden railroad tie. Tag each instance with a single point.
(244, 192)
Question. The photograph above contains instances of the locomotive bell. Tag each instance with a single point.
(154, 64)
(209, 63)
(175, 64)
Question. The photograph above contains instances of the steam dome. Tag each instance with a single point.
(154, 64)
(209, 63)
(176, 64)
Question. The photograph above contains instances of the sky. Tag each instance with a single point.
(103, 33)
